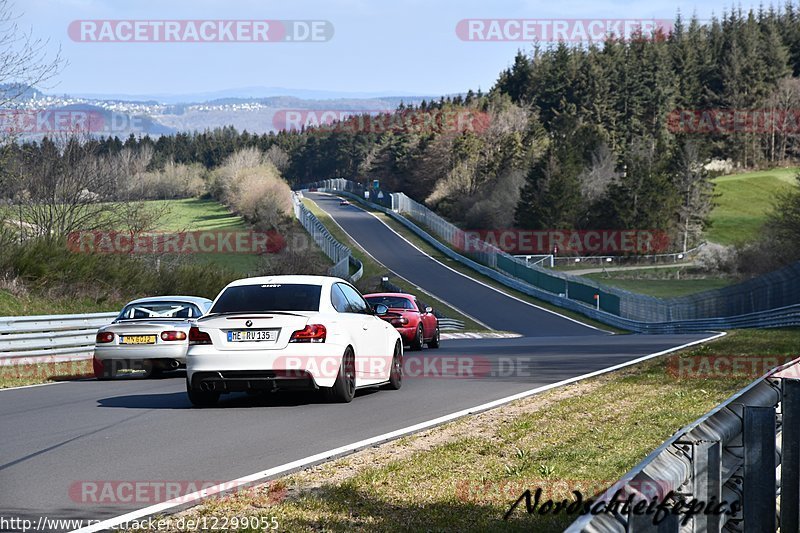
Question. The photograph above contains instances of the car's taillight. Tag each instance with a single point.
(310, 333)
(104, 337)
(402, 321)
(173, 336)
(198, 337)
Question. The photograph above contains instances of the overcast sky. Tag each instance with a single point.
(400, 46)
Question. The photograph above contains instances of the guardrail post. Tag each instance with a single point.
(758, 497)
(644, 524)
(790, 456)
(707, 483)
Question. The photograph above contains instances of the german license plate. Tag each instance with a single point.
(253, 335)
(137, 339)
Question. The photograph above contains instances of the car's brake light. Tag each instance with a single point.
(198, 337)
(173, 336)
(310, 333)
(104, 337)
(402, 321)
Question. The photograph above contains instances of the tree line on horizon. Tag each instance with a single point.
(623, 134)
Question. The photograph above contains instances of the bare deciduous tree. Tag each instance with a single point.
(696, 193)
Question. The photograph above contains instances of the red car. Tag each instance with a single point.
(415, 321)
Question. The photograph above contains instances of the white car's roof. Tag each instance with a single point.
(188, 299)
(299, 280)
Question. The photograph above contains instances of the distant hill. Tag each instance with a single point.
(253, 109)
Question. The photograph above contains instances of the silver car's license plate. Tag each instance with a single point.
(253, 335)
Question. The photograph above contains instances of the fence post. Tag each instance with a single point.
(758, 497)
(790, 456)
(707, 483)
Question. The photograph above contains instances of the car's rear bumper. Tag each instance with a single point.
(300, 365)
(407, 333)
(141, 352)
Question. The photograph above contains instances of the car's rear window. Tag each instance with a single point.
(268, 297)
(395, 302)
(160, 309)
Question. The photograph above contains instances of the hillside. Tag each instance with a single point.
(743, 202)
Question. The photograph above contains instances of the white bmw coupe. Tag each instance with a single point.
(291, 332)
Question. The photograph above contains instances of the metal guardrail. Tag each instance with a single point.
(49, 337)
(336, 251)
(450, 324)
(784, 316)
(675, 258)
(746, 450)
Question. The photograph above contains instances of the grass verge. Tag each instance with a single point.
(14, 303)
(661, 282)
(464, 475)
(22, 375)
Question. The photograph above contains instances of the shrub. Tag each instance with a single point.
(716, 258)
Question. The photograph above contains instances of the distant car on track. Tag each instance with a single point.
(150, 334)
(343, 202)
(415, 321)
(291, 332)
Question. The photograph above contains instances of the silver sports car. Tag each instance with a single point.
(149, 334)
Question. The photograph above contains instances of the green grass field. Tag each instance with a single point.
(194, 214)
(179, 215)
(744, 201)
(658, 284)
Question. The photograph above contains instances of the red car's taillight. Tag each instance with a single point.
(173, 336)
(402, 321)
(310, 333)
(198, 337)
(104, 337)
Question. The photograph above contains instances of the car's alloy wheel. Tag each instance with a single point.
(344, 388)
(435, 340)
(396, 373)
(416, 344)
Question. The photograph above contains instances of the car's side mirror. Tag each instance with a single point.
(429, 309)
(381, 309)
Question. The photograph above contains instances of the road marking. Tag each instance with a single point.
(36, 385)
(387, 268)
(476, 280)
(350, 448)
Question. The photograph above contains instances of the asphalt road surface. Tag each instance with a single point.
(482, 302)
(61, 441)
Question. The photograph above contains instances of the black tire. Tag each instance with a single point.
(344, 388)
(104, 370)
(201, 398)
(396, 373)
(434, 343)
(416, 343)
